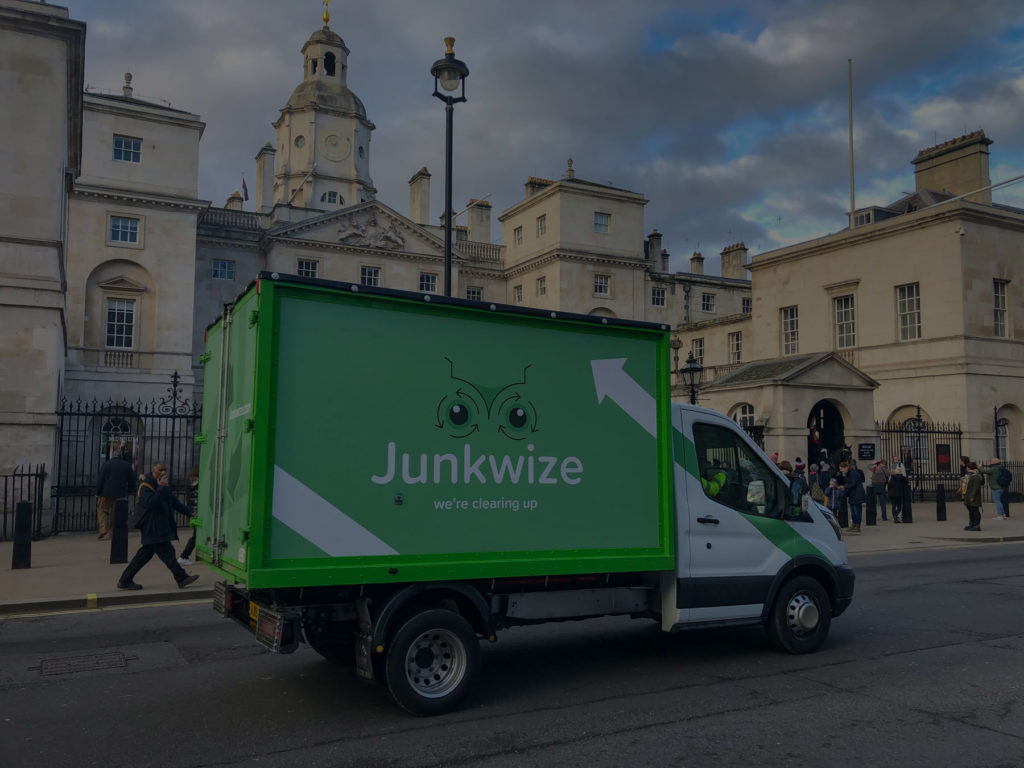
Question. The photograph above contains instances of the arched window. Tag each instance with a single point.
(332, 198)
(116, 435)
(743, 414)
(329, 68)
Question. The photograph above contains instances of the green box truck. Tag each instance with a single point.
(391, 476)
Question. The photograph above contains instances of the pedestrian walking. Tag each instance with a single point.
(972, 497)
(879, 483)
(115, 481)
(992, 477)
(185, 558)
(154, 516)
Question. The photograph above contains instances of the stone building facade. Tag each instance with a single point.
(42, 60)
(922, 297)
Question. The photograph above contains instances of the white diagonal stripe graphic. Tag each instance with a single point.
(320, 522)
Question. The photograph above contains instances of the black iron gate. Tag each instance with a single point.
(162, 430)
(931, 453)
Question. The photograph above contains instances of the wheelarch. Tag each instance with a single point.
(469, 602)
(806, 565)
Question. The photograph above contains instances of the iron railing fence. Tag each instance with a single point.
(89, 433)
(930, 452)
(25, 483)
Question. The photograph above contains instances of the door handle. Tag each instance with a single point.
(712, 520)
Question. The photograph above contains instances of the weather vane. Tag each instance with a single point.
(327, 12)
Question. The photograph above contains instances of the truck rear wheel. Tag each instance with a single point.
(801, 615)
(432, 662)
(334, 640)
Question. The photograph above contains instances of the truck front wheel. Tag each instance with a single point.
(801, 616)
(432, 662)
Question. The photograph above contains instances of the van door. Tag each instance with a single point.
(734, 500)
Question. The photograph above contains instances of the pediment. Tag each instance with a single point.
(367, 226)
(824, 369)
(122, 284)
(832, 372)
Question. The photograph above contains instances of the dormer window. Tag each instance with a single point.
(329, 64)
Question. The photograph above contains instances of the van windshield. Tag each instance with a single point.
(732, 473)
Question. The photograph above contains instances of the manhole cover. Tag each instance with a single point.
(72, 664)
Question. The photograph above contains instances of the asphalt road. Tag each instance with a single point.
(925, 669)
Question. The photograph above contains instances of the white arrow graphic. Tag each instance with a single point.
(611, 381)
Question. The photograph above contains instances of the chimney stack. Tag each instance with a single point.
(734, 259)
(696, 264)
(419, 197)
(664, 260)
(653, 245)
(479, 221)
(957, 166)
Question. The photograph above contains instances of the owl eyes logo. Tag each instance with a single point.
(475, 407)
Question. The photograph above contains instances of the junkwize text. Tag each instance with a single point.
(445, 467)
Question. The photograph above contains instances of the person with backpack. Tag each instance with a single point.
(154, 516)
(896, 490)
(998, 478)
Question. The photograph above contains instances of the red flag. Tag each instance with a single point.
(245, 190)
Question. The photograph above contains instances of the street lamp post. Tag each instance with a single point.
(449, 73)
(692, 372)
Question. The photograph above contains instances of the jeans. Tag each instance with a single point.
(855, 513)
(997, 499)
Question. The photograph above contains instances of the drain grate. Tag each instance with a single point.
(93, 661)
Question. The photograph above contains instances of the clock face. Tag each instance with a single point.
(335, 147)
(300, 141)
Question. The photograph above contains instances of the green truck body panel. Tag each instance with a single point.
(358, 436)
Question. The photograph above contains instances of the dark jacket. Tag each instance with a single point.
(897, 486)
(834, 498)
(855, 493)
(155, 507)
(972, 497)
(116, 479)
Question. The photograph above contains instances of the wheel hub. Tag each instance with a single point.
(435, 663)
(802, 614)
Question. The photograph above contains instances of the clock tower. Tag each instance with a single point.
(323, 134)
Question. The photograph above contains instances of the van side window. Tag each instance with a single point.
(732, 473)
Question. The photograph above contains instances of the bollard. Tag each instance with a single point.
(908, 499)
(119, 536)
(21, 553)
(1006, 502)
(871, 515)
(940, 503)
(844, 516)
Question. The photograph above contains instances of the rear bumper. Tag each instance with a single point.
(845, 578)
(275, 628)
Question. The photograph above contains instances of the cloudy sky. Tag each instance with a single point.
(730, 116)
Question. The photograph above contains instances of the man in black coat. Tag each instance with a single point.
(154, 516)
(115, 481)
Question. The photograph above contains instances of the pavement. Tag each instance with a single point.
(72, 571)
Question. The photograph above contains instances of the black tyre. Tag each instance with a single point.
(432, 662)
(801, 615)
(334, 640)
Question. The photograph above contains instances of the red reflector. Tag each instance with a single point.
(257, 286)
(229, 600)
(270, 628)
